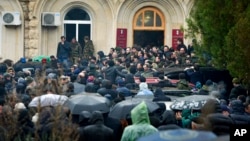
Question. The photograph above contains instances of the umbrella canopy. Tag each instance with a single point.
(48, 100)
(190, 102)
(180, 135)
(40, 58)
(87, 102)
(78, 88)
(122, 109)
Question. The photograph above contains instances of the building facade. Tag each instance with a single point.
(36, 26)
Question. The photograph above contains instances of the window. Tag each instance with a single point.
(77, 23)
(149, 18)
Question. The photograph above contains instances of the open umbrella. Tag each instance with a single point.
(78, 88)
(122, 109)
(190, 102)
(40, 58)
(180, 135)
(48, 100)
(87, 102)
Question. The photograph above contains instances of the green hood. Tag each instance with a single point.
(139, 114)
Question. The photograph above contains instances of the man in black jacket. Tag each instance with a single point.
(237, 90)
(110, 72)
(97, 131)
(63, 51)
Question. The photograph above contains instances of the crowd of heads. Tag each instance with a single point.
(112, 76)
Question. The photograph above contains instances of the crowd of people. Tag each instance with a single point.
(74, 70)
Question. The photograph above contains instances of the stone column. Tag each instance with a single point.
(30, 28)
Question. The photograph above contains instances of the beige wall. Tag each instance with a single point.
(106, 17)
(11, 36)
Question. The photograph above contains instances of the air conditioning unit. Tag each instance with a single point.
(11, 18)
(51, 19)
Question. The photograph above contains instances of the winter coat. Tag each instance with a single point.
(26, 126)
(144, 89)
(97, 131)
(147, 74)
(218, 123)
(183, 85)
(63, 50)
(160, 96)
(110, 74)
(2, 94)
(168, 121)
(84, 117)
(129, 78)
(76, 49)
(236, 91)
(115, 125)
(88, 50)
(188, 117)
(141, 124)
(238, 113)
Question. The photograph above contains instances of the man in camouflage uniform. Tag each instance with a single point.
(88, 48)
(76, 50)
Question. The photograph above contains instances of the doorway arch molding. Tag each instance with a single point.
(171, 9)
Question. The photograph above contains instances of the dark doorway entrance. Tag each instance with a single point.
(71, 31)
(77, 24)
(145, 37)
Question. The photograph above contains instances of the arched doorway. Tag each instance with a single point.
(148, 27)
(77, 23)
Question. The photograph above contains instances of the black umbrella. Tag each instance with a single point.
(122, 109)
(87, 102)
(78, 88)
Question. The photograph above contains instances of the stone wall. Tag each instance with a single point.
(36, 42)
(30, 28)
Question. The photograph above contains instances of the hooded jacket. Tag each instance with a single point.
(160, 96)
(141, 124)
(238, 113)
(144, 89)
(183, 85)
(97, 131)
